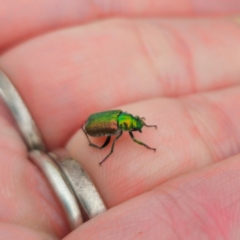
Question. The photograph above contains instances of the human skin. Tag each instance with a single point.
(154, 59)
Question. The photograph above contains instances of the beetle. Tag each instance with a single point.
(113, 122)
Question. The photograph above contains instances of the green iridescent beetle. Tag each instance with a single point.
(113, 123)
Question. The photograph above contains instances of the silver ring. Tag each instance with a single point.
(69, 181)
(23, 118)
(84, 189)
(59, 185)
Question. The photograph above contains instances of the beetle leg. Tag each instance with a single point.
(94, 145)
(141, 143)
(116, 138)
(149, 125)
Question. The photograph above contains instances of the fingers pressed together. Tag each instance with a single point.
(177, 73)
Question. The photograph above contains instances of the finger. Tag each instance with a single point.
(11, 232)
(66, 75)
(120, 183)
(21, 21)
(25, 197)
(202, 205)
(193, 132)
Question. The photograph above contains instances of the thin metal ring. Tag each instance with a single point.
(68, 179)
(23, 118)
(59, 185)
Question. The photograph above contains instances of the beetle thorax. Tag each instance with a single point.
(127, 122)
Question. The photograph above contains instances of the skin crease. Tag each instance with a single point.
(34, 19)
(181, 74)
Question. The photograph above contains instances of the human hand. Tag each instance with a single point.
(181, 74)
